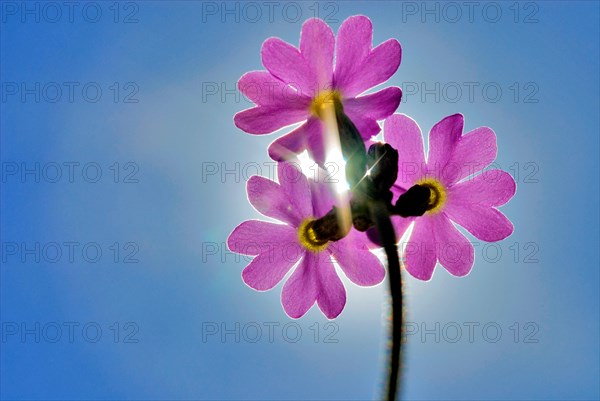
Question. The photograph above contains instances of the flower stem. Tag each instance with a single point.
(388, 238)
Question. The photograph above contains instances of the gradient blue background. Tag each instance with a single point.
(172, 53)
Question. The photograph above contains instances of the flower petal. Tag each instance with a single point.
(308, 136)
(315, 143)
(354, 41)
(322, 195)
(316, 45)
(484, 222)
(474, 151)
(420, 253)
(289, 145)
(359, 68)
(400, 226)
(268, 268)
(443, 139)
(253, 237)
(403, 133)
(331, 297)
(266, 119)
(366, 126)
(377, 105)
(286, 63)
(359, 264)
(296, 189)
(264, 89)
(454, 251)
(300, 290)
(490, 188)
(273, 200)
(380, 65)
(313, 280)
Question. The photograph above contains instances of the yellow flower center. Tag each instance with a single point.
(323, 101)
(437, 196)
(308, 237)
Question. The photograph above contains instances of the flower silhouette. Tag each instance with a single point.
(299, 83)
(297, 201)
(460, 192)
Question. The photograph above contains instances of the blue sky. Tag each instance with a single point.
(152, 176)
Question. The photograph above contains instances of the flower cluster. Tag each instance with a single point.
(297, 201)
(299, 82)
(321, 85)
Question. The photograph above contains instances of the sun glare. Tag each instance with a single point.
(336, 169)
(307, 165)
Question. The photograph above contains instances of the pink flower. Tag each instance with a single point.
(297, 201)
(469, 202)
(298, 83)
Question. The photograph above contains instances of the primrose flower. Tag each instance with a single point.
(297, 202)
(300, 84)
(469, 202)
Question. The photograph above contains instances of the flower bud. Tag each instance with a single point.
(414, 202)
(382, 161)
(353, 147)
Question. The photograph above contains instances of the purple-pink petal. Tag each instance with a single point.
(453, 249)
(358, 67)
(474, 151)
(322, 197)
(296, 190)
(266, 119)
(286, 63)
(490, 188)
(354, 41)
(316, 46)
(313, 280)
(300, 290)
(272, 200)
(403, 133)
(420, 253)
(377, 105)
(366, 126)
(443, 139)
(400, 224)
(289, 145)
(264, 89)
(484, 222)
(315, 143)
(331, 297)
(253, 237)
(360, 265)
(308, 136)
(268, 268)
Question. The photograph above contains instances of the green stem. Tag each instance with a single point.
(388, 237)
